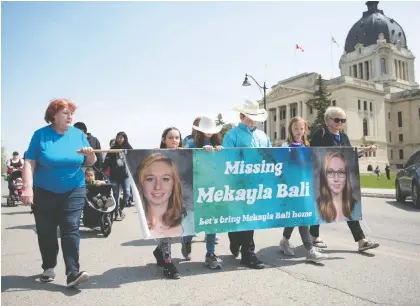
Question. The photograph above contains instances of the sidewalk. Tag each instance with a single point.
(378, 193)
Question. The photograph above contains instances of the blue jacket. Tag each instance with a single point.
(242, 137)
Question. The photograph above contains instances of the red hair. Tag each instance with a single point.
(57, 105)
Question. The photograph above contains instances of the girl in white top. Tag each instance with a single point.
(297, 138)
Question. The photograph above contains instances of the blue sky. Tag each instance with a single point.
(140, 67)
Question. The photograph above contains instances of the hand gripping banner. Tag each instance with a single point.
(186, 191)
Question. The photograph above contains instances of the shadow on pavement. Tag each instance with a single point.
(366, 254)
(32, 283)
(16, 213)
(408, 206)
(273, 256)
(24, 227)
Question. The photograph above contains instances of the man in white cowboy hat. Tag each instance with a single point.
(247, 135)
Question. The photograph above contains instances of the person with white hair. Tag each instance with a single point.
(245, 135)
(333, 136)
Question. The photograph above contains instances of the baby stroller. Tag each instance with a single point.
(93, 214)
(15, 187)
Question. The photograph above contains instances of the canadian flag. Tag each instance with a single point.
(299, 48)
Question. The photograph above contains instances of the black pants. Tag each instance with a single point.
(245, 240)
(354, 226)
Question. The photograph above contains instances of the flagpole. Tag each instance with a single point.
(332, 62)
(296, 68)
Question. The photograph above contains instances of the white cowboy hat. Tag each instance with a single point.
(207, 126)
(253, 111)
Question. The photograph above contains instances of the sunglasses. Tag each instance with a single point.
(338, 120)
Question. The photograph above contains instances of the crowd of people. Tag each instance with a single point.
(54, 184)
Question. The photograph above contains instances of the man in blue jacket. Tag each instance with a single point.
(247, 135)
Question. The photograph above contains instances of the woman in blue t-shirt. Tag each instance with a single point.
(54, 183)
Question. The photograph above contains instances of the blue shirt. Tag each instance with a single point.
(190, 143)
(58, 165)
(186, 140)
(242, 137)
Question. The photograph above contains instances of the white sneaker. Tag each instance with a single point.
(286, 247)
(316, 256)
(47, 276)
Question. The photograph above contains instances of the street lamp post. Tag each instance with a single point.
(264, 88)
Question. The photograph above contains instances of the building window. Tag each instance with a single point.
(390, 138)
(275, 118)
(361, 71)
(383, 65)
(399, 119)
(358, 104)
(419, 112)
(365, 105)
(275, 135)
(374, 154)
(350, 71)
(389, 115)
(283, 133)
(371, 107)
(392, 154)
(367, 70)
(333, 103)
(311, 110)
(401, 154)
(293, 112)
(365, 127)
(401, 137)
(354, 71)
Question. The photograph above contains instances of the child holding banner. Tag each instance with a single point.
(171, 139)
(246, 135)
(297, 138)
(205, 136)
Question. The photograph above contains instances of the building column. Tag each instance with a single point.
(299, 109)
(304, 110)
(287, 116)
(277, 129)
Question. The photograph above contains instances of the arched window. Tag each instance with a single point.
(365, 127)
(283, 133)
(383, 65)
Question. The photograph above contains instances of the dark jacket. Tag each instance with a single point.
(112, 160)
(96, 145)
(323, 138)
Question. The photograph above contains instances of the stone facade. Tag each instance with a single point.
(382, 103)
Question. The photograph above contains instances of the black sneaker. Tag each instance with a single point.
(170, 271)
(159, 256)
(76, 278)
(252, 262)
(234, 249)
(186, 250)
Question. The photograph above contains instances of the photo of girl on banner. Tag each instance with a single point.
(337, 174)
(164, 182)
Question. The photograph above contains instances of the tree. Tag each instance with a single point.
(3, 160)
(219, 120)
(226, 128)
(320, 102)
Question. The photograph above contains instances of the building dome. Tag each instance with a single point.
(368, 28)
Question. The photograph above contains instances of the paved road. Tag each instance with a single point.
(124, 273)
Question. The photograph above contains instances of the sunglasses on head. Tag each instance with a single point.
(338, 120)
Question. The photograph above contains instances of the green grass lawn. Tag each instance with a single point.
(370, 181)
